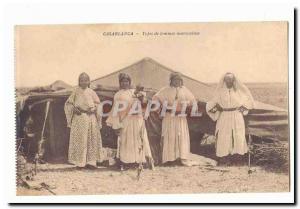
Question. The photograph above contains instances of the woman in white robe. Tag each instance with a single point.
(232, 100)
(175, 131)
(82, 114)
(133, 144)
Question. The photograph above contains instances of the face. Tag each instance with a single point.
(229, 81)
(84, 82)
(176, 82)
(124, 84)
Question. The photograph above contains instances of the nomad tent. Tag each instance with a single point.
(264, 122)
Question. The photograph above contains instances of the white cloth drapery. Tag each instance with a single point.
(175, 131)
(85, 144)
(230, 127)
(133, 134)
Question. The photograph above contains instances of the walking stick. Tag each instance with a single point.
(141, 154)
(139, 98)
(140, 167)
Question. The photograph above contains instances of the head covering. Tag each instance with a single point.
(239, 87)
(125, 76)
(176, 75)
(82, 75)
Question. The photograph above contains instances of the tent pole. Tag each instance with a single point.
(52, 133)
(42, 140)
(249, 154)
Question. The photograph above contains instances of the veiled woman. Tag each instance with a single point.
(82, 113)
(133, 144)
(175, 131)
(232, 100)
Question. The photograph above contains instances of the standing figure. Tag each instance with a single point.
(232, 100)
(175, 132)
(133, 144)
(82, 111)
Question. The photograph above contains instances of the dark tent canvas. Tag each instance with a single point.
(265, 121)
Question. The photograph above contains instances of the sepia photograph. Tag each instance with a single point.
(152, 108)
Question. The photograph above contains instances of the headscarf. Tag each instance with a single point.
(176, 75)
(84, 74)
(125, 76)
(239, 87)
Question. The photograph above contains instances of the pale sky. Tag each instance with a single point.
(255, 52)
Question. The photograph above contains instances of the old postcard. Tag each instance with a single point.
(152, 108)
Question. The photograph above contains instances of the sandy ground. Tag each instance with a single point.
(67, 180)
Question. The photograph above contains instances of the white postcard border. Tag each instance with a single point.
(110, 13)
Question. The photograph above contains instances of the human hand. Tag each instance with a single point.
(76, 110)
(118, 131)
(218, 107)
(242, 109)
(93, 109)
(213, 110)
